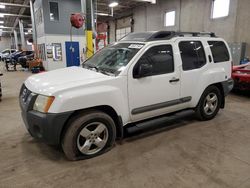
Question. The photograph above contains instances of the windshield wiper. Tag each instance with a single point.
(98, 69)
(91, 67)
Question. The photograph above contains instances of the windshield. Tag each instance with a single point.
(113, 59)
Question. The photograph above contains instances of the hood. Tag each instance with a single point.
(49, 83)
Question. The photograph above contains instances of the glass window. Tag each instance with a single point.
(220, 8)
(192, 55)
(170, 18)
(219, 51)
(54, 11)
(160, 58)
(113, 59)
(120, 33)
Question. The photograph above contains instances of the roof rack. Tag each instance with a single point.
(163, 35)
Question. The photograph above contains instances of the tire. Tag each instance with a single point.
(89, 134)
(208, 109)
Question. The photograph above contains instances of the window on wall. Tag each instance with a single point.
(170, 18)
(220, 8)
(120, 33)
(54, 11)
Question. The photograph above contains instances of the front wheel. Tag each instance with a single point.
(89, 134)
(209, 103)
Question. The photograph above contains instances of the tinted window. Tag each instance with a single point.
(160, 58)
(219, 51)
(192, 55)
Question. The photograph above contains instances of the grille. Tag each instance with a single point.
(24, 94)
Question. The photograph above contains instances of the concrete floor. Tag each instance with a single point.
(189, 154)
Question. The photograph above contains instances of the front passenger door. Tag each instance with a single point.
(153, 83)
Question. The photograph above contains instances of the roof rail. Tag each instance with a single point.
(163, 35)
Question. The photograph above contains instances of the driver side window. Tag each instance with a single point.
(157, 60)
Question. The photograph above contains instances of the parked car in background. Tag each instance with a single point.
(13, 58)
(16, 56)
(8, 58)
(23, 60)
(5, 53)
(241, 76)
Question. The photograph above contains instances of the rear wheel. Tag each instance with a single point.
(89, 134)
(209, 103)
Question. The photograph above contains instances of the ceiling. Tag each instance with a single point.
(12, 20)
(124, 8)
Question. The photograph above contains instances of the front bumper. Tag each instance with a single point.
(43, 126)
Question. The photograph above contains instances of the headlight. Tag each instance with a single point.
(43, 103)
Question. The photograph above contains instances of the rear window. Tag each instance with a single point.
(219, 51)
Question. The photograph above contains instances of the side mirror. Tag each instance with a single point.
(144, 70)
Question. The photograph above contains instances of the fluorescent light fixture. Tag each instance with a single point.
(1, 22)
(113, 4)
(149, 1)
(1, 15)
(102, 14)
(2, 6)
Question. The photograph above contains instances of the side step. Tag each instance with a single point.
(172, 120)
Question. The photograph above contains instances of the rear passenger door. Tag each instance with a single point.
(194, 65)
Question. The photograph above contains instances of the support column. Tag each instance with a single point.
(16, 40)
(33, 25)
(22, 35)
(89, 31)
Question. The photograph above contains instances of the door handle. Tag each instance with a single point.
(174, 80)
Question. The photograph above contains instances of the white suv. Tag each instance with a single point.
(5, 53)
(143, 76)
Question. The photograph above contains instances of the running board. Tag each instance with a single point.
(158, 122)
(153, 123)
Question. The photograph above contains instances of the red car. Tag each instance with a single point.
(241, 76)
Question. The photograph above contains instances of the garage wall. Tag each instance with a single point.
(242, 25)
(5, 42)
(195, 15)
(191, 15)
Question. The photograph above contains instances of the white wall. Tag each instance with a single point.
(5, 42)
(49, 64)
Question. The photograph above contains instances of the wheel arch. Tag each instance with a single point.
(220, 87)
(103, 108)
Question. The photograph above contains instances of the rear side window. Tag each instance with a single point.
(219, 51)
(192, 55)
(160, 58)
